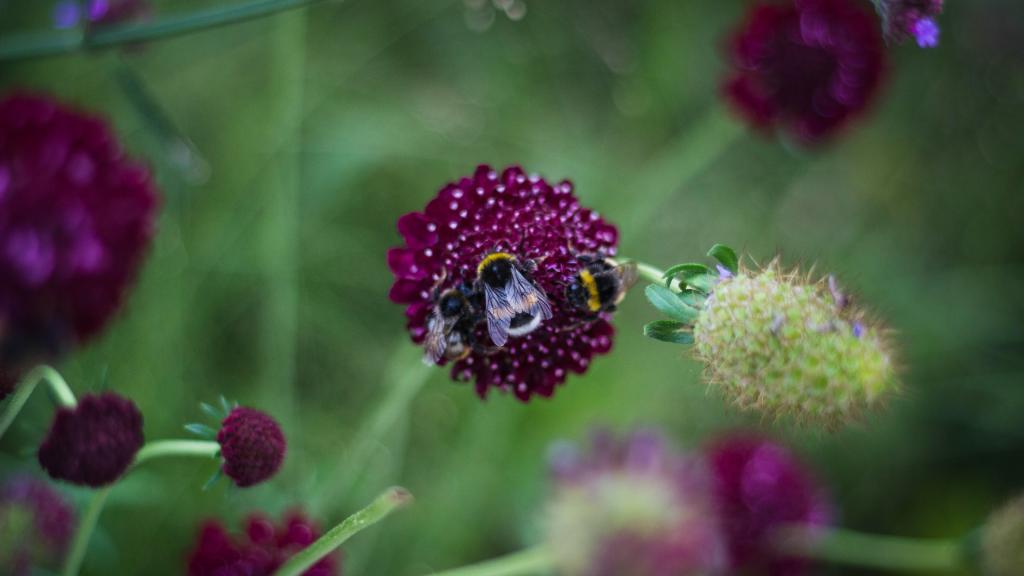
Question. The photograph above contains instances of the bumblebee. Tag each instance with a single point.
(513, 305)
(450, 327)
(600, 285)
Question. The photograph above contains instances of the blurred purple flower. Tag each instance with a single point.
(68, 13)
(76, 218)
(36, 525)
(261, 550)
(760, 486)
(532, 219)
(915, 19)
(805, 67)
(631, 506)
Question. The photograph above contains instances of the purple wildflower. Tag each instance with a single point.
(902, 19)
(252, 446)
(36, 525)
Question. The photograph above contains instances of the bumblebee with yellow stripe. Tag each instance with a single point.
(600, 285)
(450, 327)
(514, 305)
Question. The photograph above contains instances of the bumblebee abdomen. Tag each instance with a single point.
(590, 284)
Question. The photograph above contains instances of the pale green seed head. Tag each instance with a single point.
(782, 345)
(1002, 542)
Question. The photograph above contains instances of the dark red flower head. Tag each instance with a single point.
(805, 67)
(261, 550)
(252, 446)
(533, 220)
(36, 525)
(759, 486)
(915, 19)
(76, 218)
(94, 442)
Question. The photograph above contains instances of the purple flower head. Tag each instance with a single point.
(903, 19)
(68, 13)
(94, 442)
(261, 550)
(759, 486)
(805, 67)
(252, 446)
(631, 506)
(36, 525)
(532, 219)
(76, 218)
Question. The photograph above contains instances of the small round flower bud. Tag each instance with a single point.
(252, 446)
(262, 549)
(1002, 541)
(631, 507)
(94, 442)
(759, 487)
(36, 525)
(777, 343)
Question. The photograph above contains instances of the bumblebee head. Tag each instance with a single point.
(452, 304)
(496, 269)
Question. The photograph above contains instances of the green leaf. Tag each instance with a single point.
(212, 412)
(705, 282)
(669, 331)
(669, 304)
(201, 430)
(725, 255)
(693, 299)
(685, 271)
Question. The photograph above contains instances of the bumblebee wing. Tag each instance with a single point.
(525, 297)
(627, 274)
(499, 314)
(436, 339)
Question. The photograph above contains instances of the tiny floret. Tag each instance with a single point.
(252, 445)
(917, 19)
(95, 442)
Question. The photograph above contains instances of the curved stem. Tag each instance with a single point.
(654, 275)
(151, 451)
(37, 45)
(530, 561)
(60, 389)
(872, 550)
(392, 499)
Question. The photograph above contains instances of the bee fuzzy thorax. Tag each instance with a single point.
(495, 268)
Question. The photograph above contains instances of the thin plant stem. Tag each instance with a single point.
(839, 546)
(39, 45)
(150, 451)
(654, 275)
(392, 499)
(530, 561)
(61, 392)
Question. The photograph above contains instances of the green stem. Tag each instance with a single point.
(151, 451)
(654, 275)
(530, 561)
(875, 551)
(38, 45)
(61, 392)
(392, 499)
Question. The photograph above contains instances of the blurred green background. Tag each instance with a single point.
(318, 128)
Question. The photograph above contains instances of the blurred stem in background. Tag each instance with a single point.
(58, 387)
(391, 500)
(151, 451)
(281, 234)
(37, 45)
(837, 546)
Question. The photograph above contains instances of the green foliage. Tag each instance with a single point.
(725, 255)
(669, 331)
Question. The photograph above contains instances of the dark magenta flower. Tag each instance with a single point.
(915, 19)
(805, 67)
(261, 550)
(631, 506)
(36, 525)
(76, 218)
(760, 486)
(252, 446)
(94, 442)
(531, 219)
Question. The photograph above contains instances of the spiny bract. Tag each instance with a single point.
(780, 344)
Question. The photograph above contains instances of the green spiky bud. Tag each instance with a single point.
(781, 344)
(1002, 541)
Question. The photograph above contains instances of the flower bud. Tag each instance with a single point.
(252, 445)
(780, 344)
